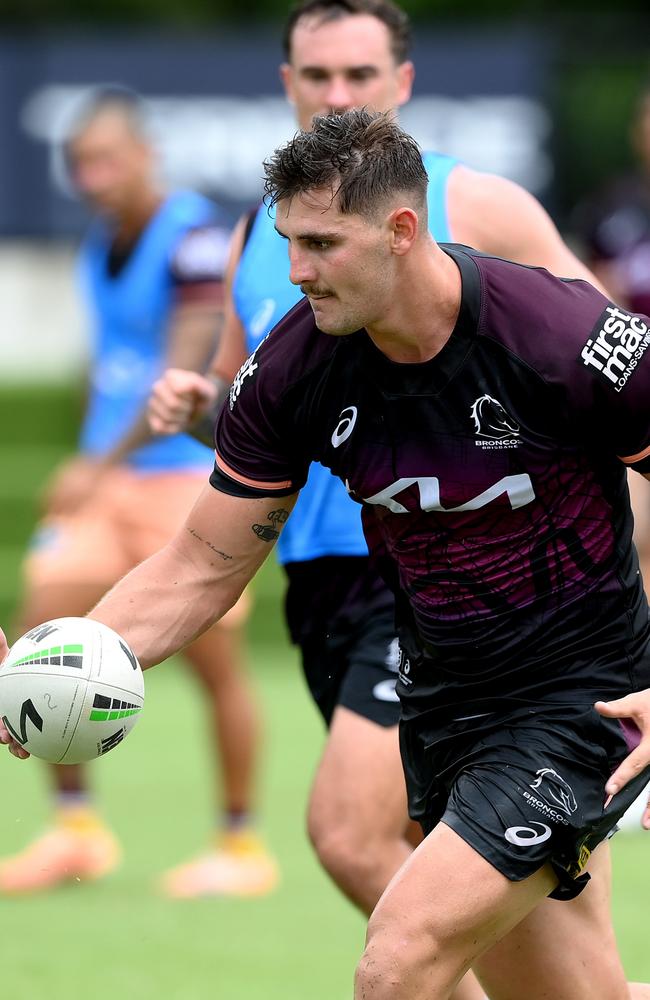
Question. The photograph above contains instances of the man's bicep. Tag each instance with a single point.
(230, 536)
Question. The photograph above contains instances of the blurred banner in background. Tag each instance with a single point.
(218, 110)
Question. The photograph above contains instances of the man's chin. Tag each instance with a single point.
(334, 331)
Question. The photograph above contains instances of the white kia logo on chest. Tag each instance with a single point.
(345, 426)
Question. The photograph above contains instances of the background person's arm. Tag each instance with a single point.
(183, 400)
(634, 706)
(497, 216)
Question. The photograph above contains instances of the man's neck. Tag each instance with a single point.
(425, 308)
(128, 226)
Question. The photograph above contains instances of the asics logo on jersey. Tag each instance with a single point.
(526, 836)
(554, 790)
(493, 424)
(385, 690)
(345, 426)
(518, 489)
(616, 349)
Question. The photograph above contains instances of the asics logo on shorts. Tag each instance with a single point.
(385, 690)
(526, 836)
(345, 426)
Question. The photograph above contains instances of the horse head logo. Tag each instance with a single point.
(551, 787)
(491, 420)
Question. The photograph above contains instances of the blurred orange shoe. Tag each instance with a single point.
(78, 847)
(239, 865)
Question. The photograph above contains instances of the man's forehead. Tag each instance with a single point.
(315, 204)
(107, 127)
(351, 40)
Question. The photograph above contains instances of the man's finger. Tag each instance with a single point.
(620, 708)
(13, 747)
(630, 768)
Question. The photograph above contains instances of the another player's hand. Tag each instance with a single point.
(637, 708)
(178, 399)
(5, 735)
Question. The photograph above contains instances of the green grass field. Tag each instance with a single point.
(119, 936)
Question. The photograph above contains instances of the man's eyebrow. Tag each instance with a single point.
(319, 237)
(362, 68)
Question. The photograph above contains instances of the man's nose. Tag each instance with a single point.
(300, 269)
(339, 95)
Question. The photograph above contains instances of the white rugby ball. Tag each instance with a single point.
(70, 690)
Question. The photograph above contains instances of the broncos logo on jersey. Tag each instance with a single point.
(554, 790)
(491, 420)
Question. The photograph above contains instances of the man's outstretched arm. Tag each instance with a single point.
(171, 598)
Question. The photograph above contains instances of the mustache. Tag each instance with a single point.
(309, 290)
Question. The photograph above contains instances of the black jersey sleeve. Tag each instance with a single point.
(259, 437)
(611, 380)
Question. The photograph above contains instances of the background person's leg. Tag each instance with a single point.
(357, 816)
(78, 845)
(238, 862)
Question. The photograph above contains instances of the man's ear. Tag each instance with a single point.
(286, 75)
(405, 78)
(404, 227)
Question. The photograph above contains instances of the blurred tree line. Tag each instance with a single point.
(202, 12)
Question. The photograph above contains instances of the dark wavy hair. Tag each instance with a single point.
(395, 19)
(364, 157)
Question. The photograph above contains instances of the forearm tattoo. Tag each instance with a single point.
(224, 555)
(269, 532)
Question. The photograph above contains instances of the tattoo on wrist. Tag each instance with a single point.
(224, 555)
(269, 532)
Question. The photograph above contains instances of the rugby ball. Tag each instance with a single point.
(70, 690)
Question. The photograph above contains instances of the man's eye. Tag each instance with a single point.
(360, 76)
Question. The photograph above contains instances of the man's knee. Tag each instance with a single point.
(396, 963)
(338, 839)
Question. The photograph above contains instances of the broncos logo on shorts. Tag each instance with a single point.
(554, 790)
(491, 420)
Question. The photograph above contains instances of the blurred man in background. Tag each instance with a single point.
(152, 270)
(342, 54)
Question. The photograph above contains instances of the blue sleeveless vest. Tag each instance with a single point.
(324, 522)
(131, 314)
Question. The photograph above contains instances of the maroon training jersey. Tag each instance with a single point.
(493, 479)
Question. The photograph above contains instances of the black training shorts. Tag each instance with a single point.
(342, 616)
(523, 788)
(355, 667)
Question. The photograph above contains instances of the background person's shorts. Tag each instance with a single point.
(129, 518)
(355, 666)
(522, 789)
